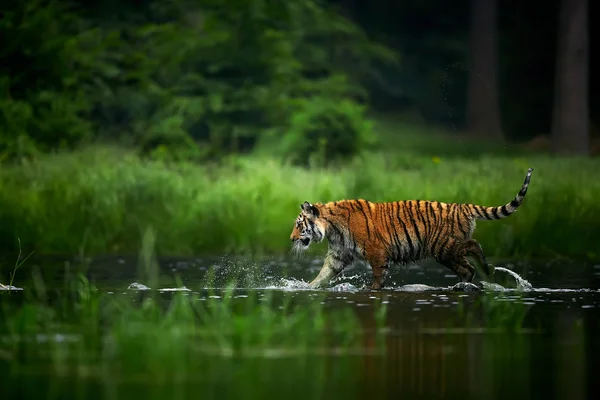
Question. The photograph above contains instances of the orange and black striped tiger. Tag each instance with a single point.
(397, 232)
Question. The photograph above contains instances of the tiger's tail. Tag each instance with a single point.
(493, 213)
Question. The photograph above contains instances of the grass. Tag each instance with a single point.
(18, 263)
(143, 335)
(217, 344)
(101, 199)
(79, 342)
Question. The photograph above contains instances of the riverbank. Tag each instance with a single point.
(100, 200)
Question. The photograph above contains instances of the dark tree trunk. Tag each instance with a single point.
(483, 107)
(570, 120)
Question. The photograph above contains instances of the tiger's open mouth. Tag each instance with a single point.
(305, 241)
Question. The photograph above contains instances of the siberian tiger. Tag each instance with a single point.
(397, 232)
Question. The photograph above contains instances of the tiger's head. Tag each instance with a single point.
(308, 228)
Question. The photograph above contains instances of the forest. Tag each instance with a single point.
(154, 156)
(211, 118)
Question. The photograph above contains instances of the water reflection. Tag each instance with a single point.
(540, 343)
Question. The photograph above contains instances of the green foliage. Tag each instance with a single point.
(168, 142)
(323, 131)
(182, 339)
(100, 200)
(42, 101)
(209, 76)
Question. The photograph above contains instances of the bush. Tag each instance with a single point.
(326, 131)
(169, 142)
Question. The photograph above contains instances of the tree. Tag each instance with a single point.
(204, 76)
(483, 108)
(570, 124)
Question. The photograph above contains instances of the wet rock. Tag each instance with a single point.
(180, 289)
(466, 287)
(415, 287)
(9, 287)
(137, 286)
(493, 287)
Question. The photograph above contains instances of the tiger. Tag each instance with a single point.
(397, 232)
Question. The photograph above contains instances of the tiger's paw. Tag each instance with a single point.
(368, 288)
(375, 287)
(317, 284)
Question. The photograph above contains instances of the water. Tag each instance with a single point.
(430, 350)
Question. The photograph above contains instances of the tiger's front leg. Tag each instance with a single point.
(380, 266)
(331, 268)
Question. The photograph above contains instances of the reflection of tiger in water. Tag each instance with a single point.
(397, 232)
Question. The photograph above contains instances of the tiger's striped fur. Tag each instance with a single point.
(397, 232)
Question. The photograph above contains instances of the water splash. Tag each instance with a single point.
(522, 284)
(267, 279)
(344, 287)
(289, 284)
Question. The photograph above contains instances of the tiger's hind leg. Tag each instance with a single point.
(473, 248)
(463, 268)
(454, 258)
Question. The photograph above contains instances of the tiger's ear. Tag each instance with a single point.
(309, 209)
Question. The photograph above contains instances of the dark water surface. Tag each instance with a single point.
(552, 355)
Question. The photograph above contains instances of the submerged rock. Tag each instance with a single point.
(137, 286)
(466, 287)
(415, 287)
(179, 289)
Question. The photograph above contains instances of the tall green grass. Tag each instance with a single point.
(247, 348)
(145, 337)
(101, 199)
(78, 341)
